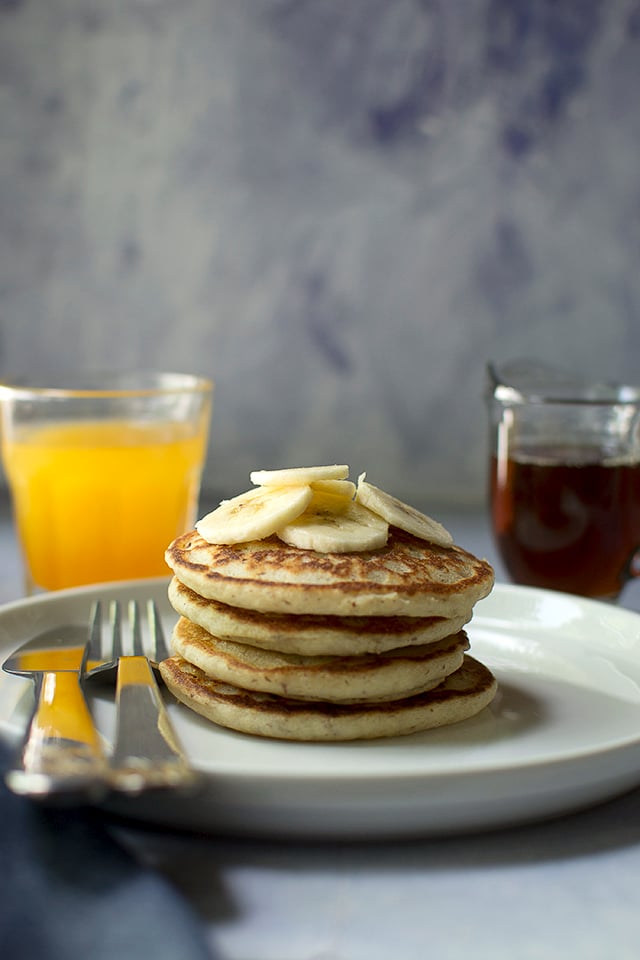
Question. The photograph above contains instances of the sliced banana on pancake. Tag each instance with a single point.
(333, 524)
(253, 515)
(293, 476)
(400, 514)
(339, 488)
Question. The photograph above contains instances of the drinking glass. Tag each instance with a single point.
(104, 470)
(564, 479)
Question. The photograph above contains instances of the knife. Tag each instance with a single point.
(61, 757)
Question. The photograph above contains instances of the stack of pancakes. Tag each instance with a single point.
(278, 641)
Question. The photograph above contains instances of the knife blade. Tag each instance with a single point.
(61, 757)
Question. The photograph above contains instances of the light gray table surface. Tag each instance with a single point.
(567, 887)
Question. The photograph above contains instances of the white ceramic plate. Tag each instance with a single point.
(563, 733)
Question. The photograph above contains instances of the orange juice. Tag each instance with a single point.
(100, 500)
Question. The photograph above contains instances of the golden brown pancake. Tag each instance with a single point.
(462, 695)
(375, 677)
(310, 634)
(408, 577)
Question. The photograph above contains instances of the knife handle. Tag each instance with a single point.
(146, 752)
(61, 756)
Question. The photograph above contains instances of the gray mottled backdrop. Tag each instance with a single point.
(338, 208)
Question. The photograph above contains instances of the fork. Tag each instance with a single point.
(146, 751)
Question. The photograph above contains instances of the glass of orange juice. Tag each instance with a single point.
(104, 471)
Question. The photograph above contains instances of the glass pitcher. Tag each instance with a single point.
(564, 478)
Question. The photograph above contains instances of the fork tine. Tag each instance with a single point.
(160, 647)
(116, 630)
(93, 651)
(93, 658)
(135, 625)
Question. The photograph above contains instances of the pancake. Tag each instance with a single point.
(408, 577)
(376, 677)
(309, 634)
(462, 695)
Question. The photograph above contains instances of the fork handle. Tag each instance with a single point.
(61, 756)
(146, 751)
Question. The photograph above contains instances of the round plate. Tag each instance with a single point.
(563, 732)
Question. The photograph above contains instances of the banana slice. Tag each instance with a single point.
(333, 524)
(255, 514)
(292, 476)
(339, 488)
(401, 515)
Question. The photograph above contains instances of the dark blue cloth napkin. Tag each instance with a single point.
(68, 890)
